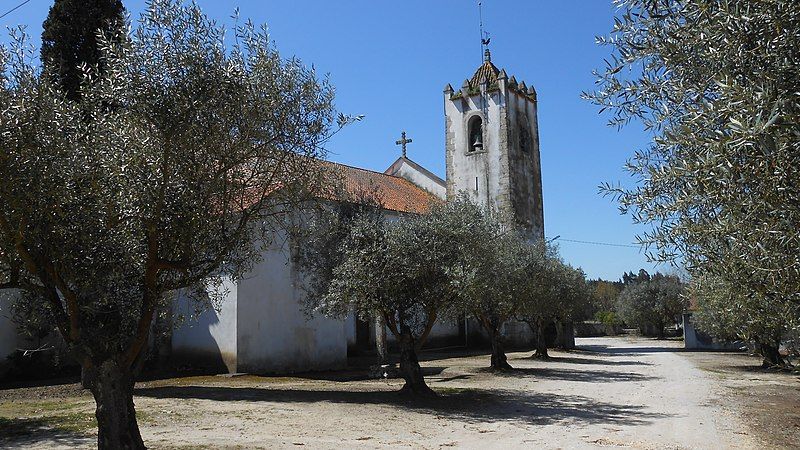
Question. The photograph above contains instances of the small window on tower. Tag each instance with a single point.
(524, 139)
(475, 143)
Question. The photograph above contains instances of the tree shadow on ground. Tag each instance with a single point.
(359, 374)
(627, 351)
(453, 378)
(23, 432)
(587, 361)
(757, 369)
(476, 406)
(585, 376)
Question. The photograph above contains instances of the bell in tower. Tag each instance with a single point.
(476, 134)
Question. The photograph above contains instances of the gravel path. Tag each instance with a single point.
(612, 392)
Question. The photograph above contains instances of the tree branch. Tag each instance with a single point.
(428, 327)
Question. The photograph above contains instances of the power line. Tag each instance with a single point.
(14, 8)
(608, 244)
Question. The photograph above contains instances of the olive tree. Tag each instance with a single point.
(400, 270)
(318, 239)
(652, 301)
(173, 171)
(716, 84)
(554, 292)
(725, 312)
(489, 273)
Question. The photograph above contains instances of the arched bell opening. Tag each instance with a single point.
(475, 136)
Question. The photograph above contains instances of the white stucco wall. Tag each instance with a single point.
(274, 334)
(518, 334)
(209, 339)
(443, 329)
(418, 175)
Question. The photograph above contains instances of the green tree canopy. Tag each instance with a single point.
(552, 291)
(728, 312)
(402, 270)
(717, 84)
(179, 186)
(655, 301)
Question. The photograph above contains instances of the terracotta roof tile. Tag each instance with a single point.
(396, 194)
(487, 71)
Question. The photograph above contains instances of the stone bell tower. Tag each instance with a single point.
(492, 145)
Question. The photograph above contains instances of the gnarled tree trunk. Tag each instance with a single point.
(499, 360)
(380, 339)
(410, 369)
(541, 342)
(660, 332)
(111, 383)
(771, 354)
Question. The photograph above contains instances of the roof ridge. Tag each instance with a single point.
(362, 169)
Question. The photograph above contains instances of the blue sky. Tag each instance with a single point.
(391, 60)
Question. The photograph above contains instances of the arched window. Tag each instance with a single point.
(475, 142)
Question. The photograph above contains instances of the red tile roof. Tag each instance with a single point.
(487, 71)
(395, 193)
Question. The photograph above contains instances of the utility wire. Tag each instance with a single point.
(608, 244)
(14, 8)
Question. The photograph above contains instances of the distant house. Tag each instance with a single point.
(694, 339)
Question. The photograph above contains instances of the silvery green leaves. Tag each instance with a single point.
(717, 85)
(652, 302)
(176, 168)
(179, 164)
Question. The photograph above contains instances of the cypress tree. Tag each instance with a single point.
(69, 38)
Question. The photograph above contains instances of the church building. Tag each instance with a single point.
(492, 154)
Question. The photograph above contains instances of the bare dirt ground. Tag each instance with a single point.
(612, 392)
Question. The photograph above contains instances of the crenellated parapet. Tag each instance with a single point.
(489, 79)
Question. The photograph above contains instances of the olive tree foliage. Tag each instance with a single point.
(553, 292)
(716, 84)
(491, 274)
(318, 238)
(726, 312)
(652, 301)
(191, 157)
(401, 270)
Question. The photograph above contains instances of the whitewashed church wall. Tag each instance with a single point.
(444, 332)
(420, 178)
(274, 334)
(518, 334)
(443, 329)
(207, 340)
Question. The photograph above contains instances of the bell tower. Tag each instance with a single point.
(492, 145)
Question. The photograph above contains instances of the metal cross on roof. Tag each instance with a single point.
(403, 141)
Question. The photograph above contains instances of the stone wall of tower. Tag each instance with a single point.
(506, 175)
(524, 162)
(483, 175)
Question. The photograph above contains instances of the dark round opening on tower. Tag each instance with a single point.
(475, 141)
